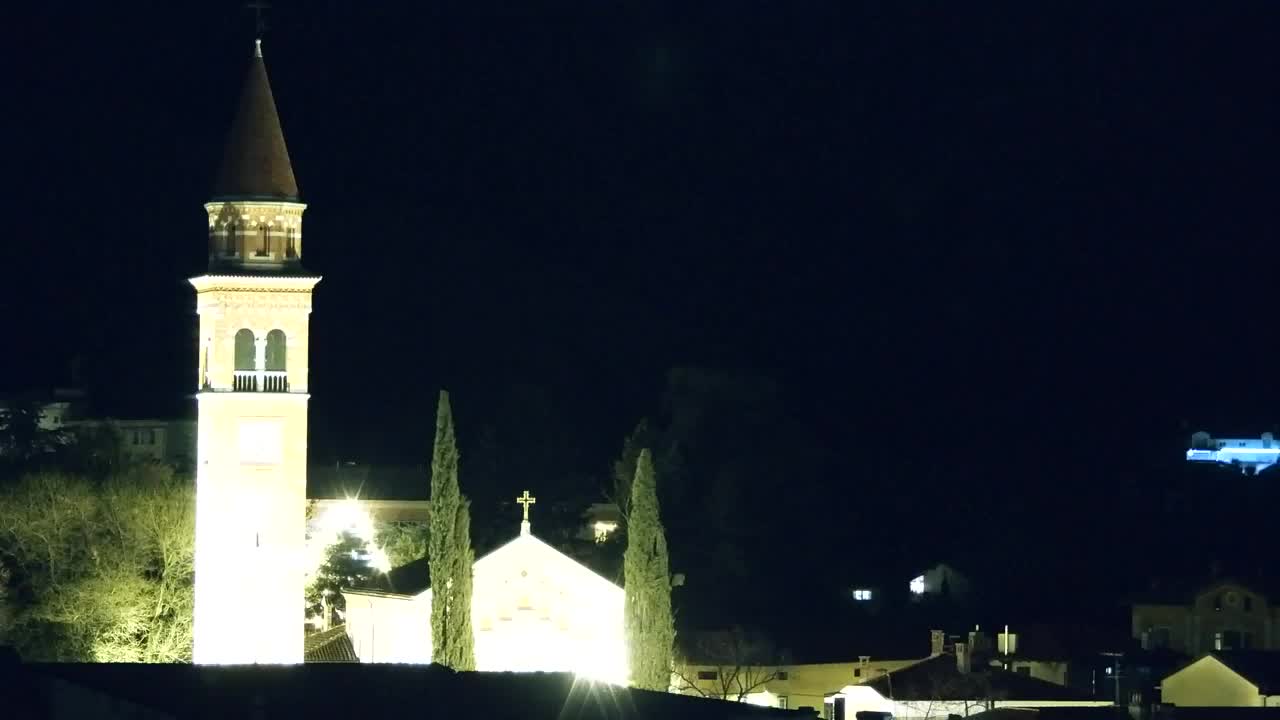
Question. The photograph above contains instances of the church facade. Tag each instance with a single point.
(254, 304)
(533, 609)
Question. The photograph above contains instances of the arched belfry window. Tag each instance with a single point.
(245, 350)
(264, 242)
(290, 246)
(230, 248)
(275, 350)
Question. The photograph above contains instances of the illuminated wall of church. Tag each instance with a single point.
(533, 609)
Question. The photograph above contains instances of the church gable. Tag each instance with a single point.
(529, 577)
(536, 609)
(533, 608)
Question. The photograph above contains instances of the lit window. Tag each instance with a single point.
(917, 585)
(1230, 640)
(602, 528)
(861, 595)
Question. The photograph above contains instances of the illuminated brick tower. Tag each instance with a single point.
(254, 304)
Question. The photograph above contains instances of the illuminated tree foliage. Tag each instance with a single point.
(449, 554)
(650, 627)
(403, 542)
(100, 571)
(464, 642)
(345, 565)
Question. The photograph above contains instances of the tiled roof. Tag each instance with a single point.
(256, 162)
(330, 646)
(938, 678)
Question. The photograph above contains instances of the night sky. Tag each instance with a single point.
(1010, 250)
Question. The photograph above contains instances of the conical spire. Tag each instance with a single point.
(256, 163)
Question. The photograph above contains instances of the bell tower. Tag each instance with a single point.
(254, 305)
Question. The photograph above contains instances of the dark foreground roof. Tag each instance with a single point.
(343, 691)
(938, 678)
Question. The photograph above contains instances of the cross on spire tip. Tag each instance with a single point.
(525, 501)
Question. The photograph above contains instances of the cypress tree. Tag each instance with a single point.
(449, 555)
(464, 642)
(650, 628)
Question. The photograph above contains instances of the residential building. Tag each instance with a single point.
(1251, 455)
(778, 684)
(941, 581)
(68, 411)
(1242, 678)
(1224, 615)
(947, 684)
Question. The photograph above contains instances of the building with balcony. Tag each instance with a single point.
(1251, 455)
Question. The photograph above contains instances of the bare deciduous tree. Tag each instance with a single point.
(952, 693)
(729, 665)
(104, 570)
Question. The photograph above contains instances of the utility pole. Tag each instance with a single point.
(1115, 670)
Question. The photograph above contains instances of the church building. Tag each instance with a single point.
(254, 304)
(533, 609)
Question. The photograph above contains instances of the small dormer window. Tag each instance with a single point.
(264, 242)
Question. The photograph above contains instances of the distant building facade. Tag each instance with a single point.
(1249, 454)
(941, 580)
(1225, 615)
(167, 440)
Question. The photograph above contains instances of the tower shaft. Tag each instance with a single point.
(254, 306)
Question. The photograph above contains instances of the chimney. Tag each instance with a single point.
(962, 657)
(977, 641)
(1008, 642)
(937, 641)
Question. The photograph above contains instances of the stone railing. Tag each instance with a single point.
(261, 381)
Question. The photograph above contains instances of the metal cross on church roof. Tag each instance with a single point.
(525, 501)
